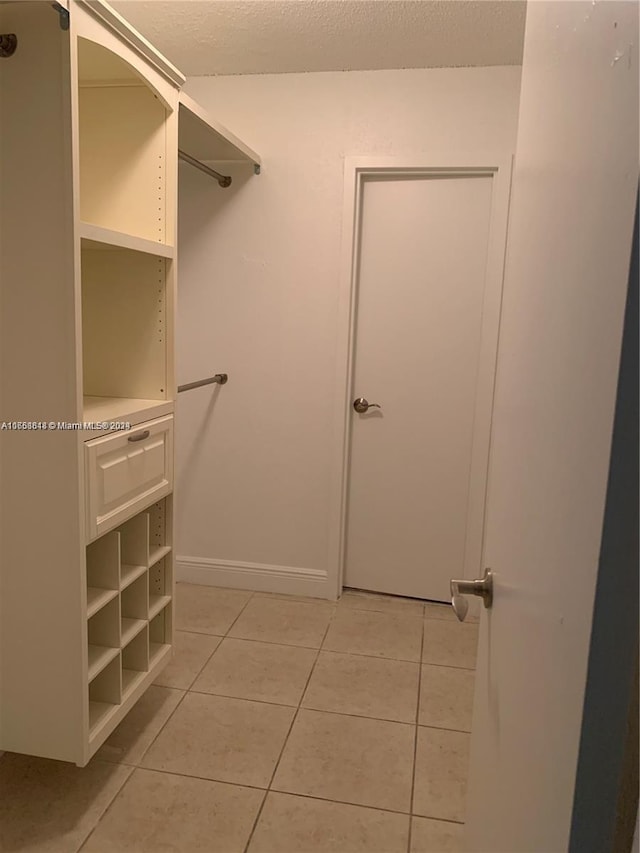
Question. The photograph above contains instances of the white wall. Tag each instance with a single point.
(258, 295)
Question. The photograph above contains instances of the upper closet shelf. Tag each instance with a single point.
(96, 237)
(204, 140)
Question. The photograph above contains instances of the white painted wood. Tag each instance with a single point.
(416, 509)
(130, 38)
(575, 184)
(65, 684)
(99, 658)
(124, 476)
(204, 138)
(95, 237)
(120, 409)
(43, 639)
(255, 576)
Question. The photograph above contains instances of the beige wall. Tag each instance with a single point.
(258, 298)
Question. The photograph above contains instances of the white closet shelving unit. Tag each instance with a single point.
(88, 162)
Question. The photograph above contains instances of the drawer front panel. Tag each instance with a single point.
(124, 476)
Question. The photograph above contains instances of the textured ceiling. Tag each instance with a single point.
(205, 37)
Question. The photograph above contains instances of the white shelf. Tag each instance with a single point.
(99, 657)
(99, 712)
(134, 410)
(156, 652)
(158, 553)
(129, 574)
(129, 628)
(157, 603)
(130, 680)
(97, 237)
(97, 598)
(204, 138)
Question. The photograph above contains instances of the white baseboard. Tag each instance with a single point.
(260, 577)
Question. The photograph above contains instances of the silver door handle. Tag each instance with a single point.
(481, 586)
(361, 405)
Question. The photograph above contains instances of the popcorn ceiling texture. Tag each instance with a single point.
(211, 37)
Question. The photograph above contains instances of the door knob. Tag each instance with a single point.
(361, 405)
(459, 588)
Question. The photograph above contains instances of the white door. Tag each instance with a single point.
(426, 295)
(575, 180)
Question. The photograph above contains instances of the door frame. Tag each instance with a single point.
(498, 166)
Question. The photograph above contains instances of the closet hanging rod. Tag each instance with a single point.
(218, 379)
(223, 180)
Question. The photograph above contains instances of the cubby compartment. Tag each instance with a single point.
(135, 661)
(103, 569)
(159, 525)
(122, 146)
(134, 609)
(160, 629)
(159, 586)
(104, 638)
(105, 692)
(134, 537)
(124, 332)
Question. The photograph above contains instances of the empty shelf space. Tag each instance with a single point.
(129, 628)
(97, 237)
(157, 603)
(128, 574)
(156, 553)
(130, 680)
(99, 657)
(157, 652)
(97, 598)
(99, 713)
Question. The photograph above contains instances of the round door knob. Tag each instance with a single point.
(361, 405)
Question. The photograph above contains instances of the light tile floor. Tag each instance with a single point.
(283, 725)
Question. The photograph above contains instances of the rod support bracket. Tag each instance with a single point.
(8, 44)
(256, 168)
(63, 14)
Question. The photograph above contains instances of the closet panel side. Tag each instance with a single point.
(42, 634)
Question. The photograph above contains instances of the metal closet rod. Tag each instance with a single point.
(218, 379)
(223, 180)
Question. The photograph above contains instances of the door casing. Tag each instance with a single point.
(498, 166)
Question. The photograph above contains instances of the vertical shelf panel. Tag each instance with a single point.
(159, 586)
(135, 661)
(104, 626)
(105, 693)
(134, 537)
(160, 634)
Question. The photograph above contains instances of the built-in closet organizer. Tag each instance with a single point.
(88, 158)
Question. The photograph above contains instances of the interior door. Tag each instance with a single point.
(575, 180)
(421, 294)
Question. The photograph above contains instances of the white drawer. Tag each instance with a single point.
(126, 472)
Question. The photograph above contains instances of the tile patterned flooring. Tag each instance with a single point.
(283, 725)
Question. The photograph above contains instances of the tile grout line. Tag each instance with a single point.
(138, 765)
(318, 650)
(286, 740)
(415, 744)
(99, 820)
(330, 651)
(188, 690)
